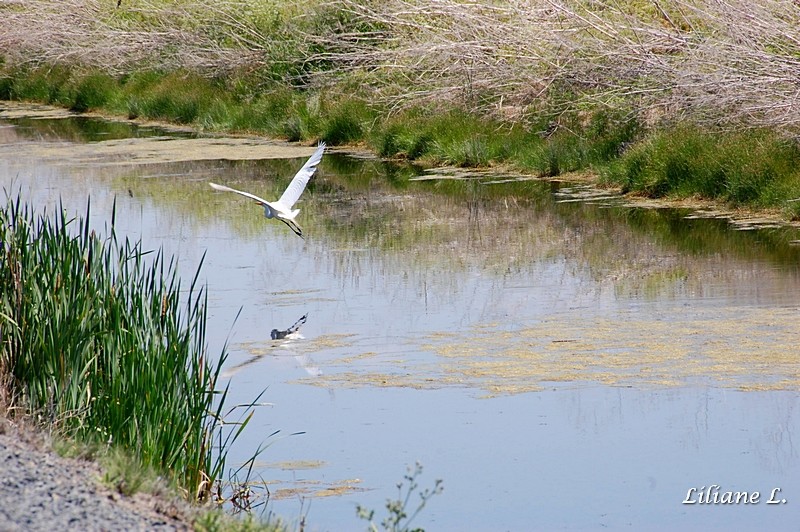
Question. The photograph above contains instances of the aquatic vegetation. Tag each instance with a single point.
(48, 84)
(345, 122)
(715, 346)
(463, 139)
(398, 518)
(99, 338)
(180, 97)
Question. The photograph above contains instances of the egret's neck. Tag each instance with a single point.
(268, 211)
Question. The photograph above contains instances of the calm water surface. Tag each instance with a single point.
(560, 364)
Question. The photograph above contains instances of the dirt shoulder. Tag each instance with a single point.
(40, 490)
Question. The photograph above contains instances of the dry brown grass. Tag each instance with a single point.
(141, 34)
(731, 60)
(721, 61)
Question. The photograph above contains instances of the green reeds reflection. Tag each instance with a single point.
(98, 338)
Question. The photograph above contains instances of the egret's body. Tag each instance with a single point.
(282, 209)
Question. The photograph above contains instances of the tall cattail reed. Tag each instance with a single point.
(97, 338)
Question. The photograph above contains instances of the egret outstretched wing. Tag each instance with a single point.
(298, 184)
(229, 189)
(282, 209)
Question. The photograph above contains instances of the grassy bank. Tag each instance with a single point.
(664, 100)
(101, 342)
(757, 168)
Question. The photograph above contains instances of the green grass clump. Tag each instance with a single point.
(407, 136)
(221, 105)
(345, 122)
(6, 86)
(50, 85)
(179, 97)
(754, 168)
(460, 139)
(270, 112)
(575, 143)
(464, 139)
(97, 338)
(93, 92)
(451, 137)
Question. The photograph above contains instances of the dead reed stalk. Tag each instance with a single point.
(734, 62)
(142, 34)
(730, 61)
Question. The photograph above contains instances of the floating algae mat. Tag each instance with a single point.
(744, 348)
(41, 131)
(164, 149)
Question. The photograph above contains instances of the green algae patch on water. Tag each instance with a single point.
(744, 348)
(360, 379)
(313, 488)
(166, 150)
(735, 347)
(298, 486)
(294, 465)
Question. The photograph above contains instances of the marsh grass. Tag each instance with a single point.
(345, 122)
(100, 338)
(464, 139)
(179, 97)
(44, 84)
(93, 92)
(755, 168)
(187, 98)
(453, 137)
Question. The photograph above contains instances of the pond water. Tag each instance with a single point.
(559, 358)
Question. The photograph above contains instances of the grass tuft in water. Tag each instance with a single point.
(101, 338)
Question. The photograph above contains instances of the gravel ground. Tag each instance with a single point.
(41, 491)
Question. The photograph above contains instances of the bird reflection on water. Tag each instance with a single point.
(282, 341)
(292, 333)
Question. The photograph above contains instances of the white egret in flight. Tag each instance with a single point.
(282, 209)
